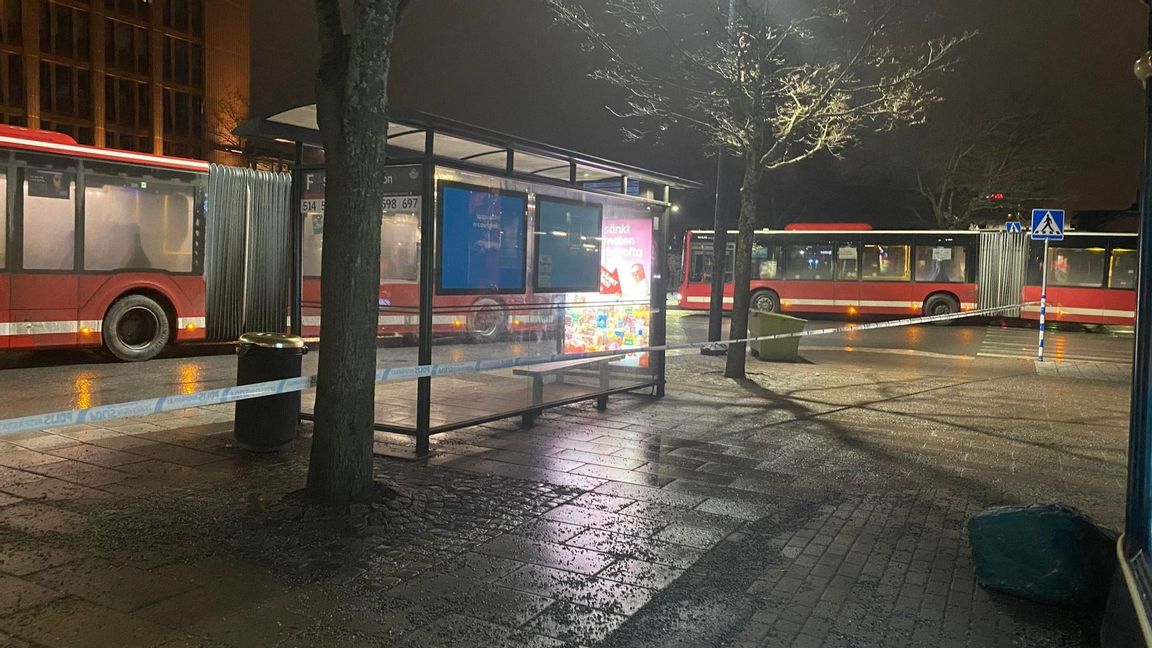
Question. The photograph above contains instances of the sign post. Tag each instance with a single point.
(1047, 225)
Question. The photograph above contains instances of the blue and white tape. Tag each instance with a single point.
(103, 413)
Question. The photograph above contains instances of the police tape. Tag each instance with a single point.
(149, 406)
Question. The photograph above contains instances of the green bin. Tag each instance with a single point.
(783, 350)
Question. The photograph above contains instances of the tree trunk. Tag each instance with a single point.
(741, 297)
(352, 112)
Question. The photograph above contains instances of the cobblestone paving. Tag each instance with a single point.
(813, 505)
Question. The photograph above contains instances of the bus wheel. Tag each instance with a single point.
(488, 321)
(136, 328)
(941, 305)
(765, 301)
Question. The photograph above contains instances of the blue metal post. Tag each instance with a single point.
(1043, 302)
(1137, 532)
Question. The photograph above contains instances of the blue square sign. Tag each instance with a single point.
(1047, 225)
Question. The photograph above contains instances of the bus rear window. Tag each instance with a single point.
(136, 224)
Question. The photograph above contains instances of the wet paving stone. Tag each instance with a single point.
(442, 593)
(648, 549)
(616, 522)
(576, 624)
(575, 558)
(641, 573)
(588, 591)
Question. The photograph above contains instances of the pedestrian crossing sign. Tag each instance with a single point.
(1013, 227)
(1047, 225)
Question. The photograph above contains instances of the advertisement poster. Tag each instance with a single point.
(618, 317)
(568, 251)
(482, 241)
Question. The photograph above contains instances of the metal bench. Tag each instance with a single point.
(539, 372)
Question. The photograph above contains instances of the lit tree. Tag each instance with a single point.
(352, 112)
(771, 83)
(996, 168)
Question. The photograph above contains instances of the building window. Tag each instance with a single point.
(65, 90)
(185, 15)
(134, 8)
(127, 102)
(126, 47)
(183, 62)
(63, 30)
(183, 114)
(11, 32)
(12, 86)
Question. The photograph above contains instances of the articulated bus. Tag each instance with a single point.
(130, 252)
(99, 247)
(849, 271)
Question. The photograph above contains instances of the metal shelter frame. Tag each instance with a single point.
(436, 142)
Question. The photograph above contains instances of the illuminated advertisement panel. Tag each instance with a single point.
(568, 250)
(617, 317)
(483, 240)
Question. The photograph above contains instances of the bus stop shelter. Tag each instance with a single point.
(495, 247)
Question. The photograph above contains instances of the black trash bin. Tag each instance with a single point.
(267, 424)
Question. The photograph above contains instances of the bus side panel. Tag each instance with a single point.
(808, 297)
(698, 296)
(5, 313)
(43, 310)
(185, 294)
(1083, 305)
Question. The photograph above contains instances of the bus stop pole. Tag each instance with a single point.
(1043, 302)
(427, 293)
(1138, 518)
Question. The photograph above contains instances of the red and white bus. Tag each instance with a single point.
(99, 247)
(845, 271)
(848, 271)
(1091, 278)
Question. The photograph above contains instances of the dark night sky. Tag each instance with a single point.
(503, 65)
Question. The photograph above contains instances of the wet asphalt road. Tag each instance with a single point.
(45, 381)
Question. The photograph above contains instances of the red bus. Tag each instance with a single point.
(1091, 278)
(99, 247)
(1091, 275)
(846, 271)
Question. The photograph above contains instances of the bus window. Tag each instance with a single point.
(3, 219)
(941, 263)
(1122, 270)
(847, 262)
(312, 241)
(767, 261)
(809, 262)
(1076, 267)
(700, 263)
(885, 263)
(400, 247)
(49, 220)
(137, 224)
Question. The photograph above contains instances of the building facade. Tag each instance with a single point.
(169, 77)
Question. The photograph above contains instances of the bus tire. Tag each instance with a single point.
(488, 320)
(136, 328)
(941, 304)
(765, 301)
